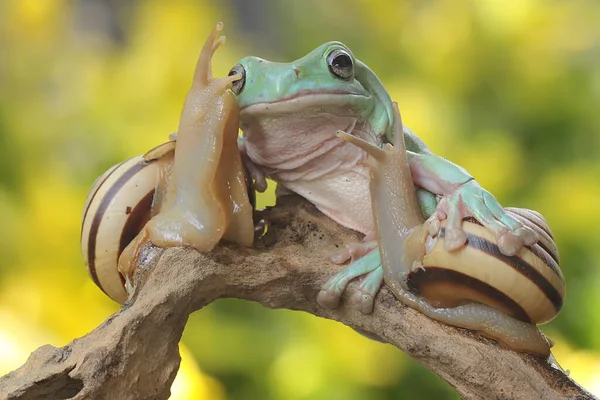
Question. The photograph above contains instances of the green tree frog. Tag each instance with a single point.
(289, 116)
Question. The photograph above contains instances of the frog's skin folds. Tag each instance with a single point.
(289, 115)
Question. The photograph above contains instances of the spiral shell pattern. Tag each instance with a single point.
(528, 286)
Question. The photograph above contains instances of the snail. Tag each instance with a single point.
(475, 287)
(190, 191)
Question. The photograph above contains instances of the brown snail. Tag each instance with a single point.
(191, 191)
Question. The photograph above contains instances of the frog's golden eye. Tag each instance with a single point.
(340, 64)
(238, 85)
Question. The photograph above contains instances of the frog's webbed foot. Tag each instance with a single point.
(471, 200)
(364, 297)
(368, 269)
(256, 174)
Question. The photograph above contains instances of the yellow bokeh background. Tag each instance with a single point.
(509, 90)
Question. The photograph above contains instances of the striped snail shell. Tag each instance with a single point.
(118, 206)
(528, 286)
(194, 195)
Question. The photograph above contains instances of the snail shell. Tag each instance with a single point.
(528, 286)
(192, 194)
(118, 206)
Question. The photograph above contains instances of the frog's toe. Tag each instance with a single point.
(341, 256)
(509, 243)
(529, 236)
(507, 221)
(328, 299)
(332, 290)
(510, 233)
(454, 237)
(364, 297)
(363, 302)
(256, 175)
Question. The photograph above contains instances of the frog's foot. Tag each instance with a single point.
(364, 297)
(369, 269)
(471, 200)
(256, 174)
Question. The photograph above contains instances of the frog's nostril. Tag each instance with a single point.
(297, 72)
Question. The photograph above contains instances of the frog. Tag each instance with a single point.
(290, 113)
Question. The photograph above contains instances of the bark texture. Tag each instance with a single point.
(125, 358)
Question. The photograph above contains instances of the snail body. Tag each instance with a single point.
(191, 191)
(475, 287)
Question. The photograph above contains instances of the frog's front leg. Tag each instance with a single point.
(463, 197)
(256, 174)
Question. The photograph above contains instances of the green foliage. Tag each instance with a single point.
(509, 90)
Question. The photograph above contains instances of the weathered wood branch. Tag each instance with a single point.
(134, 353)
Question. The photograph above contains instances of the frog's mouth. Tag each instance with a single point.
(305, 99)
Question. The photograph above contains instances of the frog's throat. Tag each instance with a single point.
(296, 139)
(306, 99)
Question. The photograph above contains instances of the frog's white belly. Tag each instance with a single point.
(302, 152)
(329, 176)
(345, 198)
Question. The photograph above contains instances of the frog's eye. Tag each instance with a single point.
(238, 85)
(340, 64)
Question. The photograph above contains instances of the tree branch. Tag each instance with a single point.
(134, 353)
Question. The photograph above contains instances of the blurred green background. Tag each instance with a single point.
(508, 89)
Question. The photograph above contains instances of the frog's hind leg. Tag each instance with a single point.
(369, 268)
(257, 176)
